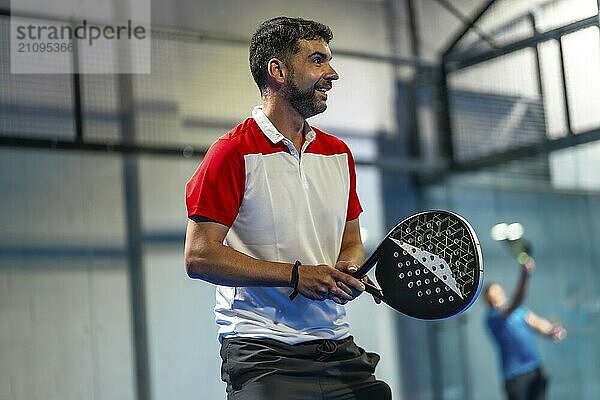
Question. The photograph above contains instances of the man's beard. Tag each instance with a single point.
(305, 102)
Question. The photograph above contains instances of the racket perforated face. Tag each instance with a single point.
(430, 265)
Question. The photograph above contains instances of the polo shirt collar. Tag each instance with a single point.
(269, 130)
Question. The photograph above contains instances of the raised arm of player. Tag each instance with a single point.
(519, 294)
(207, 258)
(543, 326)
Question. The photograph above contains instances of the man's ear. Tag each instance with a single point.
(277, 70)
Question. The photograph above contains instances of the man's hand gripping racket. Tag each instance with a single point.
(429, 266)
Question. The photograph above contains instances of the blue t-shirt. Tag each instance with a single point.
(515, 340)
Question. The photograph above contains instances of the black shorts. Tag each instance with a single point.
(529, 386)
(321, 369)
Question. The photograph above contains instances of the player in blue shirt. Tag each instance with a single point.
(511, 327)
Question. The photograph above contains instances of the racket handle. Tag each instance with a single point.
(362, 271)
(366, 267)
(373, 290)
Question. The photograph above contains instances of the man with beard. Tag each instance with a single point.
(273, 222)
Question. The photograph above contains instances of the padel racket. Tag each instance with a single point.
(429, 266)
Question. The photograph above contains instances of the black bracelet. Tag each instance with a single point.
(295, 279)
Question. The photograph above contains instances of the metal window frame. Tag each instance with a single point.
(455, 60)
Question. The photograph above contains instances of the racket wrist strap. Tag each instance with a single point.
(295, 279)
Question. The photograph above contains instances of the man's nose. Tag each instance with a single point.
(332, 74)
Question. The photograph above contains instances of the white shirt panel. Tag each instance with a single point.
(291, 211)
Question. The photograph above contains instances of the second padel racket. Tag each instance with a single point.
(429, 266)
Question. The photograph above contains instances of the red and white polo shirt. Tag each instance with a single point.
(279, 206)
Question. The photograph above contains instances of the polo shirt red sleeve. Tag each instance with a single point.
(216, 189)
(354, 207)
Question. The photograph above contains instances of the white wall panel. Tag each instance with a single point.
(65, 330)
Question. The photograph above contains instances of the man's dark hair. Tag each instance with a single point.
(278, 38)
